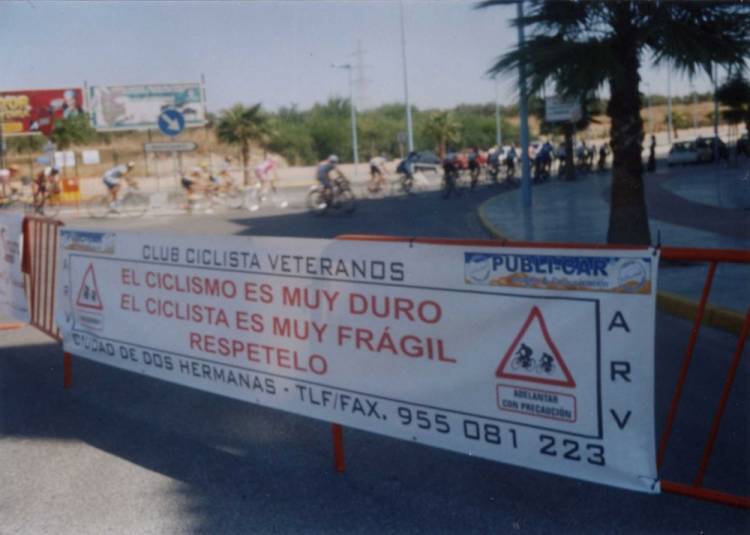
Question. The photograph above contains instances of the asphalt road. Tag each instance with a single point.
(121, 453)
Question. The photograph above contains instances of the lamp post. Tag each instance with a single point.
(409, 128)
(669, 104)
(498, 129)
(355, 151)
(524, 113)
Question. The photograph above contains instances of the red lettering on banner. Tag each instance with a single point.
(310, 298)
(249, 322)
(255, 293)
(398, 308)
(127, 302)
(272, 356)
(383, 342)
(129, 278)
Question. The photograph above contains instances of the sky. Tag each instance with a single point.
(277, 53)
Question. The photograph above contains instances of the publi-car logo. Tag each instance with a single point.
(477, 267)
(632, 276)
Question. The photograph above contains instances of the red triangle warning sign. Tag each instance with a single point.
(88, 295)
(533, 356)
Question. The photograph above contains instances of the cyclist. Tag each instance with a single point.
(6, 175)
(474, 166)
(112, 177)
(451, 168)
(325, 168)
(377, 174)
(510, 161)
(45, 185)
(264, 171)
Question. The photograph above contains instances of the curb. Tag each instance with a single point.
(675, 305)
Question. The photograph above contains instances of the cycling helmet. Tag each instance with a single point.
(131, 165)
(333, 158)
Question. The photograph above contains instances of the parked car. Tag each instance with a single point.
(705, 146)
(425, 161)
(743, 145)
(684, 152)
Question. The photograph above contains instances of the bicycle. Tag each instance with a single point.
(258, 194)
(131, 202)
(48, 206)
(225, 194)
(342, 197)
(450, 183)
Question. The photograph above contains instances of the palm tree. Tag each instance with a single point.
(583, 45)
(443, 129)
(244, 126)
(735, 94)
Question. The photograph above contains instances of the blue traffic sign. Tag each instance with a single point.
(171, 122)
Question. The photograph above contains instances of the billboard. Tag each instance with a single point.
(36, 110)
(137, 107)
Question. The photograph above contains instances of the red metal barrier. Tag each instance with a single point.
(681, 254)
(39, 263)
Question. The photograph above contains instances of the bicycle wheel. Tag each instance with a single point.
(134, 204)
(407, 183)
(279, 199)
(316, 202)
(233, 197)
(251, 198)
(347, 201)
(98, 206)
(51, 208)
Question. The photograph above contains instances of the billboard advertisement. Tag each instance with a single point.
(137, 107)
(36, 110)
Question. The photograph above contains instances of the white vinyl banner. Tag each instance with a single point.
(13, 301)
(540, 358)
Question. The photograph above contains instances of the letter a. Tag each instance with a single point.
(619, 321)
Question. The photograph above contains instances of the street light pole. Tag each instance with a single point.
(669, 104)
(498, 130)
(524, 112)
(409, 128)
(355, 151)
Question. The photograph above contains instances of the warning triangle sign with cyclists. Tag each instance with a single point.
(88, 295)
(533, 357)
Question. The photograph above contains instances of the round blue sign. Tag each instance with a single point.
(171, 122)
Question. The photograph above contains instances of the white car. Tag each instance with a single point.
(684, 152)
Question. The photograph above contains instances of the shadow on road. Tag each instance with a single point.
(245, 468)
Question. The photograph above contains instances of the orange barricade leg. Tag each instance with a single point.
(338, 447)
(67, 370)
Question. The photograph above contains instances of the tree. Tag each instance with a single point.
(735, 94)
(73, 130)
(442, 129)
(244, 126)
(581, 46)
(680, 121)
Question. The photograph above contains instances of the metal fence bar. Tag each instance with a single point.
(723, 401)
(685, 364)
